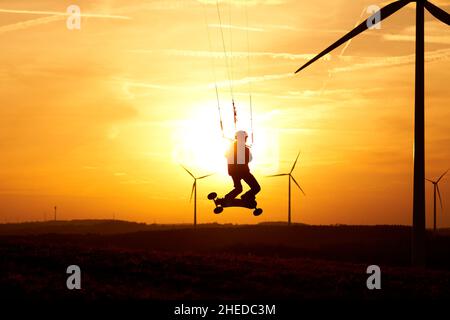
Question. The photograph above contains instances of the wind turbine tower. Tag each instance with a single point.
(436, 191)
(418, 251)
(290, 178)
(194, 191)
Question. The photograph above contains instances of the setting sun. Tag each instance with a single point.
(199, 143)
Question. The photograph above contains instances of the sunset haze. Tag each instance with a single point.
(97, 121)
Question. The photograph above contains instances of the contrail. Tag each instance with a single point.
(330, 73)
(430, 56)
(254, 79)
(58, 13)
(235, 54)
(229, 26)
(29, 23)
(411, 38)
(53, 16)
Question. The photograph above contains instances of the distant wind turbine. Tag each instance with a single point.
(290, 177)
(55, 213)
(194, 191)
(418, 236)
(436, 190)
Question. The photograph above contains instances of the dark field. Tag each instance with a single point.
(123, 261)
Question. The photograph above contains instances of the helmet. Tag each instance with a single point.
(241, 133)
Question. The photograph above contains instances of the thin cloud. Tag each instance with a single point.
(247, 80)
(235, 54)
(439, 3)
(235, 27)
(128, 84)
(120, 174)
(411, 38)
(133, 89)
(296, 29)
(318, 93)
(433, 34)
(244, 2)
(29, 24)
(324, 95)
(52, 17)
(136, 182)
(437, 55)
(58, 13)
(281, 27)
(271, 27)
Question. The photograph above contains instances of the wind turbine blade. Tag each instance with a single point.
(192, 191)
(384, 13)
(439, 195)
(205, 176)
(295, 162)
(278, 175)
(293, 179)
(429, 180)
(438, 13)
(187, 171)
(442, 176)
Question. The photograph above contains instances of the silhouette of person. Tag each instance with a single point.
(239, 156)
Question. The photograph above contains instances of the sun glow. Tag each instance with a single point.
(199, 143)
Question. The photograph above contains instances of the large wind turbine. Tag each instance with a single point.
(436, 190)
(290, 177)
(194, 191)
(418, 234)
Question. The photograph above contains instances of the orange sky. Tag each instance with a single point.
(96, 120)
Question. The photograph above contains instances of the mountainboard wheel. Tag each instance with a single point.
(212, 196)
(257, 212)
(218, 210)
